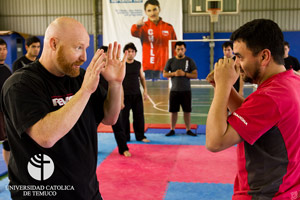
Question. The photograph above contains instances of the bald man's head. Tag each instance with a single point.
(65, 44)
(64, 27)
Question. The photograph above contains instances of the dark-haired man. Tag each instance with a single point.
(155, 35)
(118, 127)
(290, 62)
(265, 125)
(32, 45)
(180, 69)
(4, 74)
(133, 99)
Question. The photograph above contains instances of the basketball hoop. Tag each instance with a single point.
(214, 14)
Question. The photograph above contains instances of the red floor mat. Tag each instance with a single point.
(146, 174)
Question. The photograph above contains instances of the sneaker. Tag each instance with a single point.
(189, 132)
(172, 132)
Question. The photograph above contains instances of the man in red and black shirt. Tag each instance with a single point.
(155, 35)
(265, 125)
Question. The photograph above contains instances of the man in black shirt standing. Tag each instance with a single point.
(32, 45)
(290, 62)
(52, 109)
(132, 95)
(180, 69)
(118, 127)
(4, 74)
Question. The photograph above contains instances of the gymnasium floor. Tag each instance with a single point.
(171, 168)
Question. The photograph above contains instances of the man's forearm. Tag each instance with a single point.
(192, 75)
(216, 123)
(112, 104)
(143, 82)
(235, 100)
(47, 131)
(168, 74)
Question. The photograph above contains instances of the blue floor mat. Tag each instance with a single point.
(107, 143)
(3, 167)
(164, 131)
(198, 191)
(201, 129)
(4, 193)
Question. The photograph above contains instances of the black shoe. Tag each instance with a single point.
(189, 132)
(172, 132)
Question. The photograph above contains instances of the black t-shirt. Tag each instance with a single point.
(20, 62)
(4, 74)
(131, 82)
(30, 94)
(291, 63)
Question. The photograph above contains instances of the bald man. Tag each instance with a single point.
(52, 108)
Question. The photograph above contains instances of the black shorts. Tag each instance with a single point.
(5, 145)
(183, 98)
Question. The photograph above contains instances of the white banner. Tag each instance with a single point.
(120, 16)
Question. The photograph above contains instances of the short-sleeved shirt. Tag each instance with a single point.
(4, 74)
(21, 62)
(291, 63)
(28, 96)
(269, 157)
(180, 83)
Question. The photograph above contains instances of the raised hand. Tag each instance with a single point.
(226, 72)
(91, 77)
(114, 70)
(210, 78)
(140, 22)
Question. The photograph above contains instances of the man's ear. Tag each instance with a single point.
(265, 57)
(53, 43)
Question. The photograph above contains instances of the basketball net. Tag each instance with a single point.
(214, 14)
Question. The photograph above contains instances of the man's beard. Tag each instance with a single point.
(67, 67)
(2, 59)
(180, 56)
(248, 79)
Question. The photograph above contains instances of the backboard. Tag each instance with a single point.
(201, 7)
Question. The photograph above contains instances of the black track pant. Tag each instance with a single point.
(120, 136)
(134, 103)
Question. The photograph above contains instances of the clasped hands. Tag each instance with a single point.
(226, 71)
